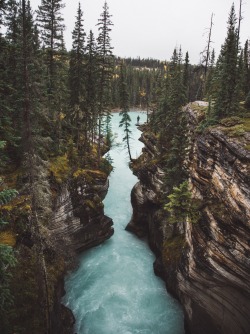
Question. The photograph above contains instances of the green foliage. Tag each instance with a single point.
(227, 73)
(7, 195)
(7, 257)
(181, 206)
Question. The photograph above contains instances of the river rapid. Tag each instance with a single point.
(114, 289)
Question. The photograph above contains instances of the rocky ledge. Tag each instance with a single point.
(205, 265)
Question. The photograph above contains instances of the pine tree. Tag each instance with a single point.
(37, 187)
(90, 85)
(51, 27)
(124, 105)
(77, 81)
(173, 127)
(105, 65)
(246, 68)
(76, 71)
(186, 76)
(226, 96)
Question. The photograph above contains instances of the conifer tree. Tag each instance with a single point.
(90, 84)
(77, 80)
(37, 187)
(51, 26)
(246, 68)
(186, 76)
(105, 65)
(124, 105)
(226, 76)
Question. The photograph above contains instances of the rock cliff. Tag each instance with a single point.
(78, 223)
(206, 265)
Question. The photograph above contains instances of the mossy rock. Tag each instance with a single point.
(89, 175)
(60, 169)
(172, 250)
(231, 121)
(235, 131)
(7, 238)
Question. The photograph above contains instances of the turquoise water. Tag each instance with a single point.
(114, 290)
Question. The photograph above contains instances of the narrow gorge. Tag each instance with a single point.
(114, 289)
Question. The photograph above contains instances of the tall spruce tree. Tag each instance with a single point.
(246, 68)
(37, 187)
(77, 81)
(176, 123)
(186, 76)
(50, 22)
(124, 105)
(51, 26)
(105, 65)
(91, 71)
(226, 76)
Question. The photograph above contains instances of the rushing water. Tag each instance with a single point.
(114, 290)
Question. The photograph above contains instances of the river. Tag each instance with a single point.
(114, 289)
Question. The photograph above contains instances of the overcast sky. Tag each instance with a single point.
(153, 28)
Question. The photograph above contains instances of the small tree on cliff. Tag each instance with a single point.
(124, 104)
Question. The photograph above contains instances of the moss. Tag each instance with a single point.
(231, 121)
(172, 250)
(60, 168)
(7, 238)
(195, 106)
(90, 204)
(235, 126)
(89, 174)
(247, 147)
(235, 131)
(246, 124)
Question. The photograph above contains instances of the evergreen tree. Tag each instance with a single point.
(77, 81)
(186, 76)
(51, 26)
(173, 133)
(37, 187)
(105, 65)
(246, 68)
(90, 85)
(227, 95)
(124, 105)
(209, 77)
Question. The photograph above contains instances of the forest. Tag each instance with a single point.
(55, 111)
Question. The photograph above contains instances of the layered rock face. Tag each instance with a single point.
(206, 265)
(78, 223)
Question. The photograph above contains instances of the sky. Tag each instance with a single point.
(153, 28)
